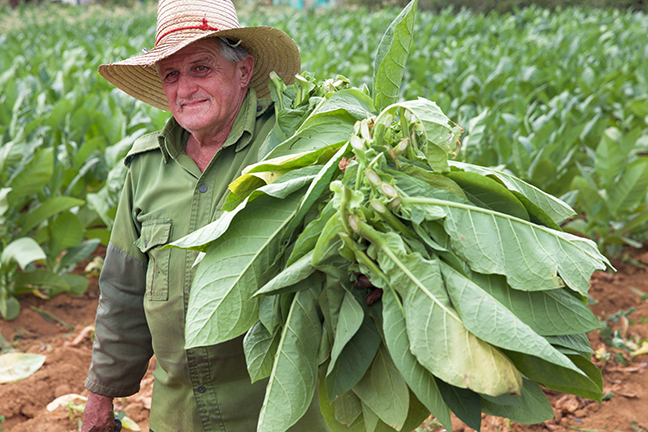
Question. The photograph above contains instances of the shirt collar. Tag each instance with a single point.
(173, 138)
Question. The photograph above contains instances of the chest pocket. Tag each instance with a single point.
(155, 234)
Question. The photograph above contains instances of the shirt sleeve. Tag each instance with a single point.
(122, 346)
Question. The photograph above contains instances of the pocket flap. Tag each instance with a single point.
(154, 233)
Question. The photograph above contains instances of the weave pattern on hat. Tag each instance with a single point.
(183, 22)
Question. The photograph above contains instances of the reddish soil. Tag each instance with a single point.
(619, 302)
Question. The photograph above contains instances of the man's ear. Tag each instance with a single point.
(246, 68)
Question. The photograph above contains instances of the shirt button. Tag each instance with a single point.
(259, 108)
(202, 188)
(201, 389)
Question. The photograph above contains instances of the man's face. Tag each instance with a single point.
(204, 90)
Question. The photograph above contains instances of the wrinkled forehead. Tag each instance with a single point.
(207, 48)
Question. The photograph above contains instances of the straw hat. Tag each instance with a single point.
(182, 22)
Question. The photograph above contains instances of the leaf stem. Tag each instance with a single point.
(362, 256)
(374, 237)
(392, 220)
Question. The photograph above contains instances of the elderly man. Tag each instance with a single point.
(213, 76)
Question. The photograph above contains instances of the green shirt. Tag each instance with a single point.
(145, 290)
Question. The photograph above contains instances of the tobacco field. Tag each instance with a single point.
(552, 102)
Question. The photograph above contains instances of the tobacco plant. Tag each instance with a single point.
(365, 266)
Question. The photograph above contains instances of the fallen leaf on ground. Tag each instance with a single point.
(17, 366)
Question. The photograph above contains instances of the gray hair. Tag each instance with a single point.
(231, 51)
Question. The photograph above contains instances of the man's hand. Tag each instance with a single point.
(98, 414)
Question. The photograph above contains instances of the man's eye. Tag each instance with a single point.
(171, 77)
(201, 69)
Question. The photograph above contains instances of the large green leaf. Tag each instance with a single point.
(438, 337)
(311, 233)
(464, 403)
(318, 186)
(384, 390)
(532, 257)
(419, 379)
(555, 208)
(577, 342)
(328, 412)
(488, 193)
(391, 57)
(290, 162)
(415, 417)
(23, 251)
(200, 239)
(551, 312)
(235, 266)
(293, 378)
(485, 317)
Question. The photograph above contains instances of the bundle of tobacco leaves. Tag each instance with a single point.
(365, 266)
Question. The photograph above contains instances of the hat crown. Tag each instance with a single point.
(178, 16)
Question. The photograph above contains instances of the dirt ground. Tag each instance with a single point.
(64, 336)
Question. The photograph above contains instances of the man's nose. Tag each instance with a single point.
(186, 86)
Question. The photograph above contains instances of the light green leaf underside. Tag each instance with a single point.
(200, 239)
(548, 313)
(437, 335)
(259, 347)
(487, 319)
(419, 379)
(384, 390)
(294, 375)
(18, 366)
(534, 256)
(23, 251)
(297, 272)
(233, 269)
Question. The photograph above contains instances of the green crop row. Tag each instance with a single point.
(560, 99)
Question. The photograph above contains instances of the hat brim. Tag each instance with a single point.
(272, 49)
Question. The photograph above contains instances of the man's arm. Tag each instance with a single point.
(122, 346)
